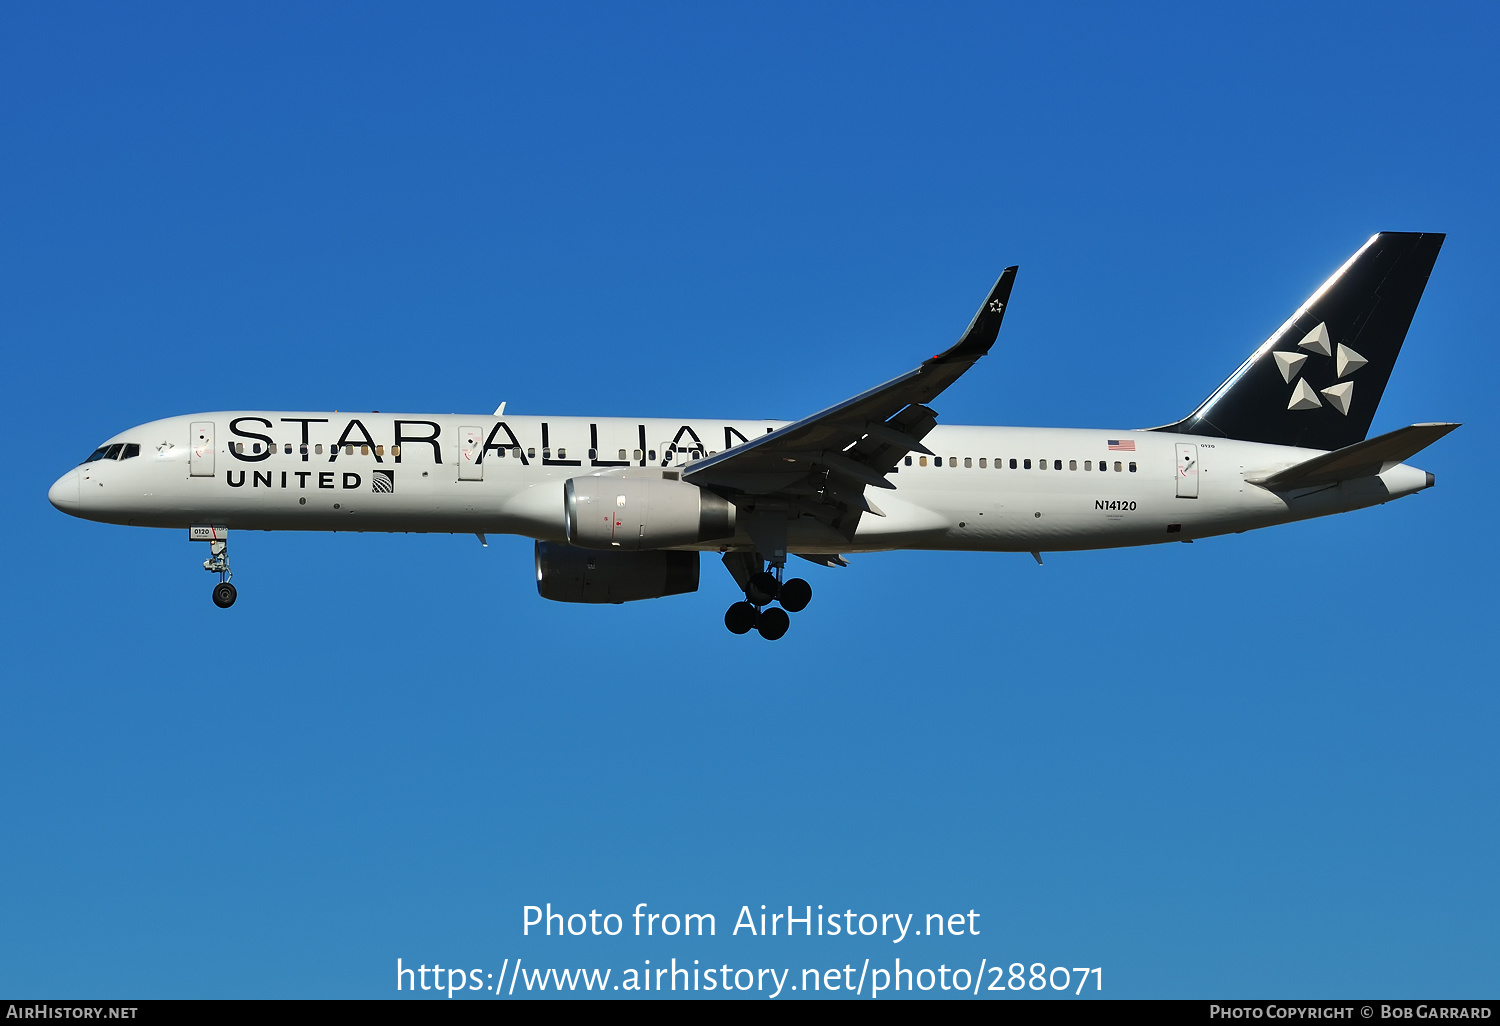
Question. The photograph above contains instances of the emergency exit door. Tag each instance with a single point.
(470, 454)
(201, 449)
(1187, 470)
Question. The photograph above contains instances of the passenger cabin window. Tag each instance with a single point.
(1072, 464)
(302, 448)
(622, 454)
(395, 450)
(318, 448)
(1118, 468)
(348, 450)
(923, 461)
(1012, 464)
(380, 450)
(1088, 464)
(593, 454)
(287, 451)
(1025, 464)
(1057, 464)
(981, 463)
(968, 463)
(908, 461)
(499, 453)
(952, 461)
(1132, 468)
(364, 450)
(651, 454)
(636, 454)
(531, 453)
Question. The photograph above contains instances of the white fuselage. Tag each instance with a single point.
(1083, 489)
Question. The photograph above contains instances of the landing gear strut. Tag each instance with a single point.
(763, 587)
(218, 563)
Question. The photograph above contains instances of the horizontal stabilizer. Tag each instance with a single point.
(1362, 459)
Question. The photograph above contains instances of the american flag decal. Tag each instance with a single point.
(1121, 444)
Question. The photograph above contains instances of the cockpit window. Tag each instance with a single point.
(118, 451)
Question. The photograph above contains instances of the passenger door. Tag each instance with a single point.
(1187, 470)
(470, 450)
(201, 449)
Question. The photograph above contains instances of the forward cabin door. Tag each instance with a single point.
(201, 449)
(470, 449)
(1187, 470)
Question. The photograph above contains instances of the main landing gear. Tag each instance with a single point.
(756, 613)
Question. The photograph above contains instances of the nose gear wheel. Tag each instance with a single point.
(224, 593)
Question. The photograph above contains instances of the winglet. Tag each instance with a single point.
(985, 327)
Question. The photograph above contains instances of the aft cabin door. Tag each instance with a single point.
(470, 452)
(201, 449)
(1187, 470)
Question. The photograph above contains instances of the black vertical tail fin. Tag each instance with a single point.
(1316, 382)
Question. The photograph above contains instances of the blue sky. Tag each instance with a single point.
(1261, 765)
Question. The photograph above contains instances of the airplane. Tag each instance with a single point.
(621, 508)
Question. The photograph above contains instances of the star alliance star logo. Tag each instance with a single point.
(996, 306)
(1346, 361)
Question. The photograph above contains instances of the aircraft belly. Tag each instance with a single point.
(904, 520)
(1087, 512)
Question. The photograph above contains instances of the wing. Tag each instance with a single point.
(822, 464)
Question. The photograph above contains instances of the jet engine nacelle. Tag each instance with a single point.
(568, 574)
(634, 513)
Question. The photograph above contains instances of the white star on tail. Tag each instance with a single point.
(1346, 361)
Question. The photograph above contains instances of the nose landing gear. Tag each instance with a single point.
(218, 563)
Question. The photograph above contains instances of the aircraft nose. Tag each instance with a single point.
(64, 493)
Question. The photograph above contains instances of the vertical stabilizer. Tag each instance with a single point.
(1317, 381)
